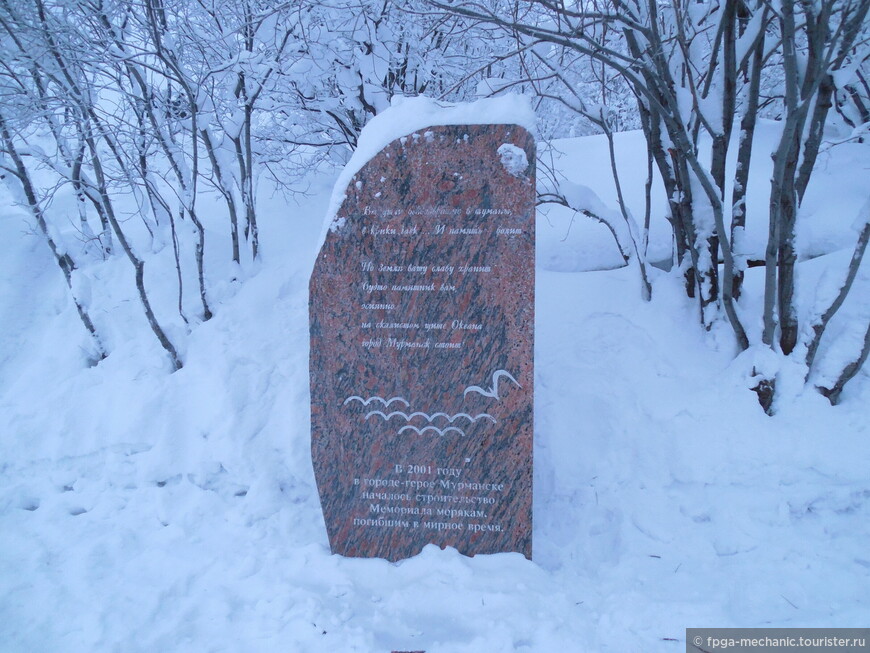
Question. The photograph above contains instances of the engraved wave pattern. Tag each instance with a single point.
(441, 432)
(385, 402)
(431, 418)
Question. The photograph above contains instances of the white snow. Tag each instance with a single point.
(148, 511)
(513, 159)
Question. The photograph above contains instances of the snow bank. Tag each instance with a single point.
(147, 511)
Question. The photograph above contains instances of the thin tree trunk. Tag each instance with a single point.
(188, 186)
(813, 141)
(138, 264)
(718, 216)
(246, 185)
(646, 289)
(226, 191)
(744, 159)
(854, 264)
(722, 140)
(655, 150)
(647, 206)
(778, 231)
(683, 218)
(64, 261)
(250, 208)
(73, 162)
(833, 393)
(80, 99)
(786, 169)
(84, 129)
(787, 255)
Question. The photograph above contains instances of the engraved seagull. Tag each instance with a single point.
(493, 390)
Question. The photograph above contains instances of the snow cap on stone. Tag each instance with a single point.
(407, 115)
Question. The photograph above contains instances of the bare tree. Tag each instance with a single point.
(46, 60)
(694, 68)
(65, 262)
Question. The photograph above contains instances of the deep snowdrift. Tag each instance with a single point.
(144, 511)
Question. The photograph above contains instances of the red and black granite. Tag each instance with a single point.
(422, 315)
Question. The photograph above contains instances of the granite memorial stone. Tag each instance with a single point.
(421, 322)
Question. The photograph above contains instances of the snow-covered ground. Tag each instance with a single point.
(148, 511)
